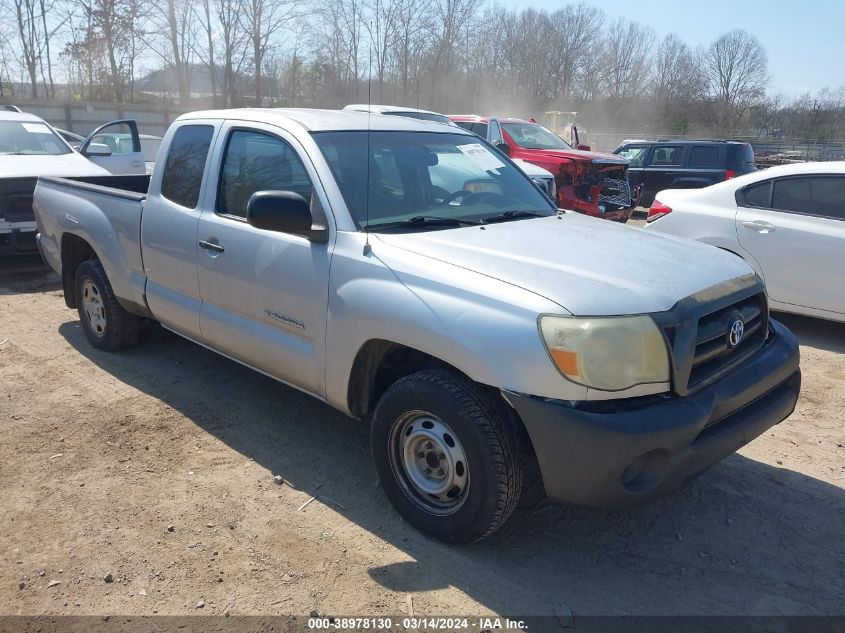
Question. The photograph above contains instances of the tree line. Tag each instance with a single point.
(445, 55)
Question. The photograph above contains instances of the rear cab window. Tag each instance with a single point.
(185, 164)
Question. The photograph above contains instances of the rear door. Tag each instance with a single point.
(169, 226)
(116, 147)
(665, 165)
(795, 228)
(705, 165)
(264, 293)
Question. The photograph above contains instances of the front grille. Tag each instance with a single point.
(713, 351)
(615, 191)
(16, 199)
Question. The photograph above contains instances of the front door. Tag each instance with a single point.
(116, 147)
(795, 228)
(664, 166)
(264, 293)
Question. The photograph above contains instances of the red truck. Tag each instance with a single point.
(589, 182)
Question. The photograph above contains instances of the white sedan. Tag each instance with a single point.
(788, 222)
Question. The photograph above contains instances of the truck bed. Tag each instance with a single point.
(103, 212)
(16, 195)
(133, 186)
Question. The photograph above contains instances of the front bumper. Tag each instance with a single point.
(615, 459)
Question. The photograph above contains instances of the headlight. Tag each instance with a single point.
(607, 353)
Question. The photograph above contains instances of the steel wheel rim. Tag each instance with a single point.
(94, 308)
(429, 462)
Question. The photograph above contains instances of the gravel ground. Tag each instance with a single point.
(142, 482)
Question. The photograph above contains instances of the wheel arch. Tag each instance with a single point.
(75, 250)
(379, 363)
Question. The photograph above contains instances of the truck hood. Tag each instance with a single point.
(575, 155)
(586, 265)
(63, 165)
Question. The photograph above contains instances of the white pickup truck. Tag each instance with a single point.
(411, 276)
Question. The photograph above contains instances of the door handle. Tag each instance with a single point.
(211, 246)
(760, 226)
(138, 163)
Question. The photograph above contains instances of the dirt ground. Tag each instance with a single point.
(153, 468)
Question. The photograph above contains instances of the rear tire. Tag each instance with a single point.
(446, 456)
(107, 325)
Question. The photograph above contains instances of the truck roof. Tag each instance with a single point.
(314, 120)
(376, 108)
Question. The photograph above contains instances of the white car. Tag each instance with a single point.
(30, 147)
(788, 222)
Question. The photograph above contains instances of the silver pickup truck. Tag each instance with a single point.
(410, 275)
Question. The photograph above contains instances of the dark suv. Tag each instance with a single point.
(667, 164)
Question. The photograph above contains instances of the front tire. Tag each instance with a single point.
(446, 456)
(107, 325)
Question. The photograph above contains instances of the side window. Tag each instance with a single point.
(668, 155)
(814, 195)
(255, 161)
(757, 195)
(480, 129)
(185, 164)
(635, 154)
(703, 156)
(495, 133)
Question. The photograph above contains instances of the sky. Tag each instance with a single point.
(805, 40)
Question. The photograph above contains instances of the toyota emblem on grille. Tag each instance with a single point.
(735, 333)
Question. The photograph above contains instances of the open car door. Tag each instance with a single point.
(115, 147)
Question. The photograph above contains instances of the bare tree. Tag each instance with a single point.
(204, 15)
(677, 82)
(410, 44)
(233, 45)
(624, 59)
(28, 16)
(337, 42)
(174, 21)
(736, 67)
(262, 20)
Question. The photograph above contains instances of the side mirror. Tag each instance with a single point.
(97, 149)
(583, 148)
(283, 212)
(504, 148)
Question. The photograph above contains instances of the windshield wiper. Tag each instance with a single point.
(511, 215)
(423, 221)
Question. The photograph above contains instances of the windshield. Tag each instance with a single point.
(534, 136)
(426, 174)
(31, 138)
(423, 116)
